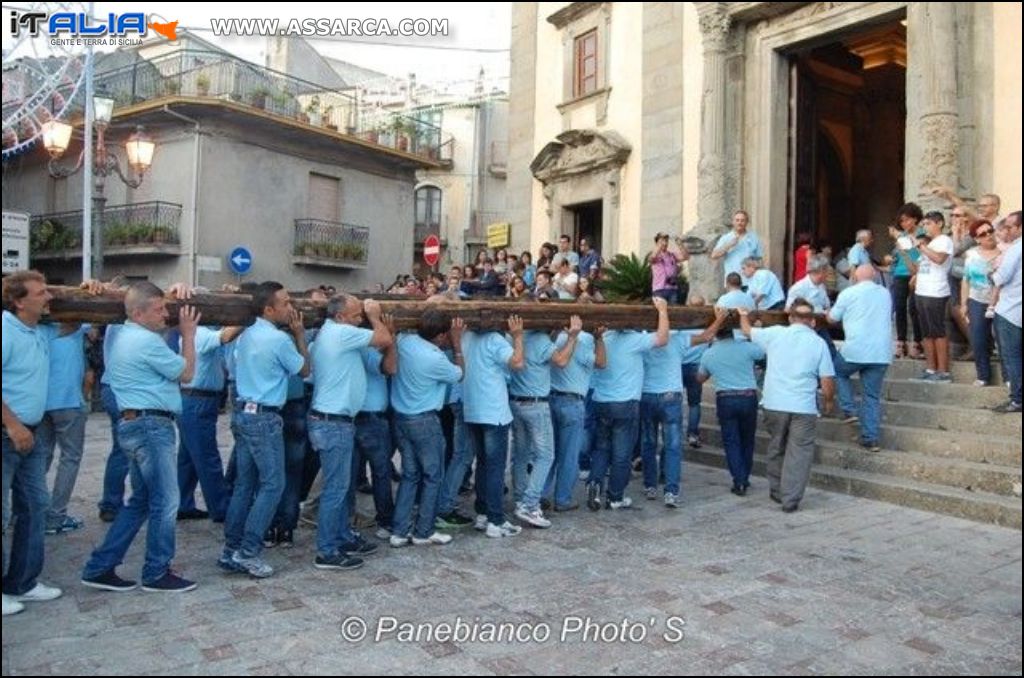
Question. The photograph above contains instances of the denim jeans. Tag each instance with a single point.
(422, 444)
(67, 428)
(116, 471)
(375, 445)
(151, 445)
(533, 443)
(335, 442)
(259, 481)
(981, 339)
(664, 411)
(737, 417)
(1009, 337)
(458, 465)
(567, 420)
(617, 426)
(199, 457)
(296, 444)
(872, 377)
(694, 392)
(589, 431)
(489, 444)
(26, 499)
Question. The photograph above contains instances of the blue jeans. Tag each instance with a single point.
(199, 457)
(458, 465)
(872, 377)
(25, 498)
(151, 446)
(259, 480)
(66, 427)
(296, 444)
(589, 430)
(664, 410)
(533, 443)
(1009, 337)
(375, 445)
(694, 390)
(116, 471)
(567, 420)
(617, 425)
(737, 417)
(335, 441)
(422, 444)
(489, 444)
(981, 339)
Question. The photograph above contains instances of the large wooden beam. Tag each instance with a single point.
(73, 305)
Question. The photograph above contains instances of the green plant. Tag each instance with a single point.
(313, 106)
(171, 86)
(258, 97)
(627, 278)
(203, 84)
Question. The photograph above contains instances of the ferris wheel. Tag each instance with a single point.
(40, 80)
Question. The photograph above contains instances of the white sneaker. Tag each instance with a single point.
(671, 500)
(12, 606)
(534, 517)
(584, 476)
(979, 383)
(436, 538)
(625, 503)
(398, 542)
(480, 523)
(383, 533)
(506, 529)
(39, 593)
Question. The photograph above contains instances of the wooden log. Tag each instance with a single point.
(74, 305)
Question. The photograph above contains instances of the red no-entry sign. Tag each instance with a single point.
(431, 250)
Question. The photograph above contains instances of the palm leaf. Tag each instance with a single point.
(627, 278)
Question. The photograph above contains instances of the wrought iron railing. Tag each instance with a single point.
(317, 240)
(129, 226)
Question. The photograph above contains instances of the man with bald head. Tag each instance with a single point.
(865, 311)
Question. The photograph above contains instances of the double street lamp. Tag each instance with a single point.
(139, 149)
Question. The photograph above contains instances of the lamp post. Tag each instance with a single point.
(139, 150)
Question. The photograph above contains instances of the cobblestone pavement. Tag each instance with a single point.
(721, 585)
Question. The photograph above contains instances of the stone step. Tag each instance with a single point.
(975, 447)
(962, 370)
(962, 395)
(978, 506)
(999, 480)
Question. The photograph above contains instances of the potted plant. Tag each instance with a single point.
(258, 97)
(329, 118)
(313, 110)
(171, 87)
(401, 131)
(203, 84)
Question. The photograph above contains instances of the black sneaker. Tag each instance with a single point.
(193, 514)
(270, 538)
(1007, 408)
(169, 583)
(452, 521)
(338, 561)
(790, 508)
(108, 515)
(109, 581)
(285, 539)
(594, 497)
(360, 547)
(774, 497)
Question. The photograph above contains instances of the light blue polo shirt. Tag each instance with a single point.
(424, 373)
(766, 283)
(376, 399)
(67, 372)
(109, 337)
(750, 246)
(264, 359)
(806, 289)
(534, 380)
(209, 374)
(1008, 277)
(26, 367)
(736, 299)
(858, 256)
(623, 378)
(730, 364)
(453, 394)
(144, 371)
(339, 376)
(484, 389)
(797, 357)
(865, 310)
(662, 373)
(575, 377)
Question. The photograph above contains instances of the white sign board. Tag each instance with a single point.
(15, 241)
(209, 264)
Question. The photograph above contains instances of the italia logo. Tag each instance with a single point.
(79, 24)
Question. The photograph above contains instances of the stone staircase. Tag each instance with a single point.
(943, 449)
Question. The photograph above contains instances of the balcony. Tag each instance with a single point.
(330, 244)
(139, 229)
(199, 74)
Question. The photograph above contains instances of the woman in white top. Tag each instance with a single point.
(977, 294)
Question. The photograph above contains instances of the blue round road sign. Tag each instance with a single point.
(240, 260)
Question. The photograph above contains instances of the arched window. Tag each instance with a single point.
(428, 209)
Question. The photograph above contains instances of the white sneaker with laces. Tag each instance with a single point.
(506, 529)
(398, 542)
(383, 533)
(437, 539)
(39, 593)
(11, 606)
(480, 522)
(534, 517)
(625, 503)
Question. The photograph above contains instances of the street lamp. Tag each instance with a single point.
(139, 149)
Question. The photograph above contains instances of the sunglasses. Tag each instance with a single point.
(987, 231)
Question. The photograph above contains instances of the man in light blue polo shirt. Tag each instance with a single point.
(374, 444)
(734, 296)
(533, 442)
(144, 376)
(812, 286)
(339, 389)
(617, 391)
(798, 361)
(26, 364)
(1007, 322)
(865, 311)
(763, 285)
(424, 374)
(489, 358)
(265, 357)
(731, 364)
(738, 244)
